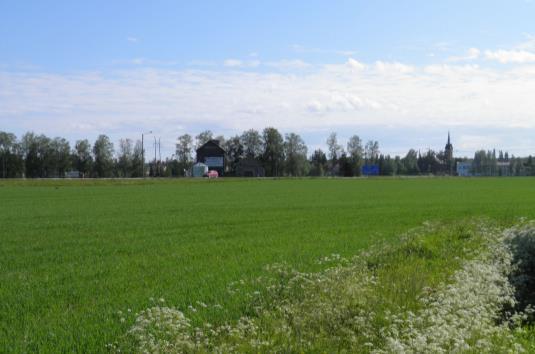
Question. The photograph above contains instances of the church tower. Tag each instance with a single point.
(448, 155)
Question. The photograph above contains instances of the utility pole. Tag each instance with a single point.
(143, 154)
(155, 167)
(160, 157)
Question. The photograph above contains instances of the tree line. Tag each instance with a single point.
(39, 156)
(283, 155)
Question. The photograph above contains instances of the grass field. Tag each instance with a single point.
(73, 253)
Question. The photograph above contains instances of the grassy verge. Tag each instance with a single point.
(404, 296)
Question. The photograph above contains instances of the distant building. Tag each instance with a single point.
(213, 156)
(504, 168)
(250, 168)
(464, 169)
(72, 174)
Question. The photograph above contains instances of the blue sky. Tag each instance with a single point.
(401, 72)
(73, 35)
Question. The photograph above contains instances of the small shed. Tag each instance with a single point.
(72, 174)
(212, 155)
(250, 168)
(199, 169)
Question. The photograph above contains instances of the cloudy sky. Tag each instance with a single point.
(401, 72)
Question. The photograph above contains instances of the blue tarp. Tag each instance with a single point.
(370, 170)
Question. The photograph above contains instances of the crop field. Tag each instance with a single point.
(79, 258)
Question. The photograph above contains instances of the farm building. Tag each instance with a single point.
(464, 169)
(250, 168)
(212, 155)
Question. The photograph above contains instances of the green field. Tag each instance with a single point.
(73, 253)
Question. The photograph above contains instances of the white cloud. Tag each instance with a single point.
(233, 63)
(289, 64)
(449, 71)
(236, 63)
(298, 48)
(528, 43)
(333, 102)
(348, 94)
(387, 68)
(354, 64)
(471, 142)
(510, 56)
(252, 63)
(471, 54)
(346, 53)
(202, 63)
(152, 62)
(132, 39)
(443, 46)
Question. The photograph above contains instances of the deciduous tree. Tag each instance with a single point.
(234, 153)
(252, 143)
(83, 160)
(202, 138)
(318, 163)
(184, 149)
(356, 154)
(273, 155)
(125, 158)
(295, 152)
(103, 153)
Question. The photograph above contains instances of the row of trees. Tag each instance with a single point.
(283, 155)
(35, 156)
(38, 156)
(490, 163)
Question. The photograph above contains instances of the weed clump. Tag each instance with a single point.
(465, 314)
(521, 241)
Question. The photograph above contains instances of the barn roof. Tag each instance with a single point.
(211, 143)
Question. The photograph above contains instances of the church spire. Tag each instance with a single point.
(448, 155)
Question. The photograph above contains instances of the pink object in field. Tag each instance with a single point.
(213, 174)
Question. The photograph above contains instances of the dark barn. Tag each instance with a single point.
(250, 168)
(212, 155)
